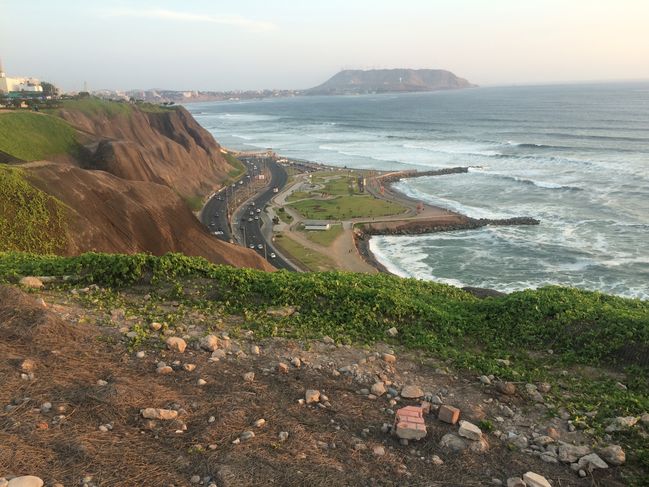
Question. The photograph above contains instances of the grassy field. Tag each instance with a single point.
(343, 200)
(284, 216)
(238, 168)
(324, 237)
(346, 207)
(32, 136)
(97, 106)
(311, 260)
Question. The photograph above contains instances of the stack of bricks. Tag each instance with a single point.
(409, 423)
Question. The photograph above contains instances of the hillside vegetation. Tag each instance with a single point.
(33, 136)
(30, 219)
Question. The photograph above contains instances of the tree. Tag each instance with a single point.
(49, 89)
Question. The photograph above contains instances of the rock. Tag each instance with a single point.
(140, 354)
(392, 332)
(379, 451)
(209, 343)
(246, 435)
(549, 457)
(515, 482)
(249, 377)
(480, 446)
(259, 423)
(26, 481)
(506, 388)
(644, 419)
(504, 362)
(189, 367)
(281, 312)
(201, 382)
(470, 431)
(328, 340)
(435, 460)
(448, 414)
(164, 370)
(195, 479)
(411, 392)
(519, 441)
(163, 414)
(176, 344)
(533, 393)
(283, 435)
(591, 462)
(155, 326)
(485, 380)
(495, 481)
(389, 358)
(378, 389)
(312, 396)
(282, 368)
(571, 453)
(28, 365)
(218, 355)
(535, 480)
(31, 282)
(544, 387)
(453, 442)
(296, 362)
(255, 350)
(621, 423)
(543, 440)
(613, 454)
(102, 383)
(409, 423)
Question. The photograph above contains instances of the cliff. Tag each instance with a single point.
(120, 183)
(350, 82)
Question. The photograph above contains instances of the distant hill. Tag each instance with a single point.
(356, 81)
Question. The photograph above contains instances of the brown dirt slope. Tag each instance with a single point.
(109, 214)
(167, 147)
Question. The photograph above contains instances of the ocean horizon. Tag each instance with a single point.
(574, 156)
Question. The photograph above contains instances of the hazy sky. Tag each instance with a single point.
(245, 44)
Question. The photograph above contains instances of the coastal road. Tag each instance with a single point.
(258, 232)
(215, 214)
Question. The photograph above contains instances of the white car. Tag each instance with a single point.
(272, 255)
(260, 246)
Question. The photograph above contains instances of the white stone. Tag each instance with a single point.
(296, 362)
(379, 451)
(515, 482)
(32, 283)
(453, 442)
(591, 462)
(189, 367)
(201, 382)
(535, 480)
(311, 396)
(102, 383)
(389, 358)
(392, 332)
(209, 343)
(176, 344)
(470, 431)
(155, 413)
(411, 392)
(155, 326)
(283, 435)
(255, 350)
(140, 354)
(260, 422)
(613, 454)
(621, 423)
(246, 435)
(249, 376)
(571, 453)
(378, 389)
(26, 481)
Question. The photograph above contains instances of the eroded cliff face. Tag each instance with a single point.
(109, 214)
(125, 189)
(166, 147)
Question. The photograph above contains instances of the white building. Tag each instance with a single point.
(316, 225)
(18, 84)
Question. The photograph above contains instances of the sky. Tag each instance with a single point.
(254, 44)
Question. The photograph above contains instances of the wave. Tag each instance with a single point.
(533, 182)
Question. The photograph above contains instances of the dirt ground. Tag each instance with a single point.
(329, 444)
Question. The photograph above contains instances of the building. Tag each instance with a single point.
(9, 85)
(316, 225)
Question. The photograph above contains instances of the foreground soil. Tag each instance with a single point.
(97, 370)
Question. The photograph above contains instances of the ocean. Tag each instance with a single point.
(574, 156)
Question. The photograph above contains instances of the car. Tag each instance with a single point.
(240, 182)
(258, 210)
(249, 219)
(218, 232)
(256, 217)
(260, 246)
(252, 213)
(252, 246)
(272, 255)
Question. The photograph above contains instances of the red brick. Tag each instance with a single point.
(448, 414)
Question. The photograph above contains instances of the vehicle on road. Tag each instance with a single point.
(256, 217)
(272, 255)
(260, 246)
(258, 210)
(252, 246)
(249, 219)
